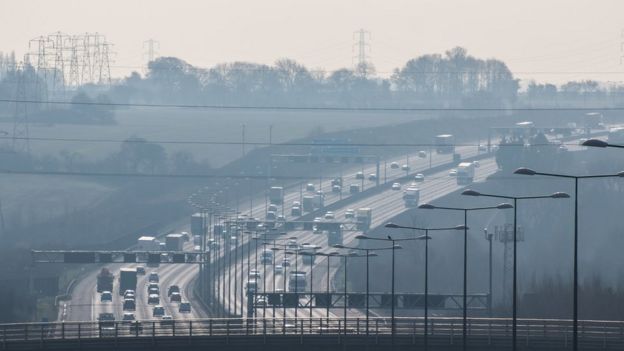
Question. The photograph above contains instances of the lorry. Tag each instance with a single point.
(308, 203)
(105, 280)
(197, 224)
(276, 195)
(297, 281)
(266, 257)
(127, 280)
(363, 218)
(174, 242)
(319, 200)
(411, 196)
(444, 144)
(465, 173)
(334, 237)
(148, 243)
(308, 254)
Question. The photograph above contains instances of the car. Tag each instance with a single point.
(281, 218)
(317, 219)
(106, 296)
(271, 216)
(261, 301)
(129, 294)
(422, 154)
(153, 277)
(563, 148)
(419, 178)
(158, 311)
(453, 173)
(140, 270)
(350, 213)
(396, 186)
(106, 317)
(273, 208)
(172, 289)
(184, 307)
(136, 327)
(482, 148)
(295, 211)
(213, 243)
(153, 299)
(372, 177)
(354, 188)
(166, 320)
(128, 317)
(310, 187)
(153, 286)
(233, 240)
(476, 164)
(336, 181)
(129, 305)
(405, 167)
(251, 286)
(286, 262)
(336, 189)
(394, 165)
(255, 274)
(279, 269)
(296, 204)
(292, 244)
(359, 175)
(329, 215)
(175, 297)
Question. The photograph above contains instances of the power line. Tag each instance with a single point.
(318, 108)
(237, 143)
(208, 176)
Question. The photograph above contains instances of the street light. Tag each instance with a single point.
(501, 206)
(312, 260)
(328, 296)
(600, 143)
(528, 171)
(368, 254)
(426, 238)
(557, 195)
(393, 248)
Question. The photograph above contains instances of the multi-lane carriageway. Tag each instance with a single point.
(85, 303)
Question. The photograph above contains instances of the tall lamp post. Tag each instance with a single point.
(369, 252)
(392, 293)
(558, 195)
(465, 289)
(528, 171)
(426, 238)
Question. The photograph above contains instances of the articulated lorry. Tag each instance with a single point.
(411, 196)
(465, 173)
(105, 280)
(127, 280)
(276, 195)
(363, 218)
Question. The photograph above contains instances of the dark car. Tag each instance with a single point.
(172, 289)
(176, 297)
(129, 305)
(184, 307)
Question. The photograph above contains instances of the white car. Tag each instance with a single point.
(350, 213)
(396, 186)
(394, 165)
(422, 154)
(453, 173)
(255, 274)
(296, 204)
(279, 269)
(359, 175)
(372, 177)
(419, 178)
(317, 219)
(329, 215)
(405, 167)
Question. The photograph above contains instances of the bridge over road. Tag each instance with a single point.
(325, 334)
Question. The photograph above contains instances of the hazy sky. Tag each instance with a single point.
(532, 36)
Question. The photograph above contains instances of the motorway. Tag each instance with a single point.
(86, 305)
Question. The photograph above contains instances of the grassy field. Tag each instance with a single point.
(204, 125)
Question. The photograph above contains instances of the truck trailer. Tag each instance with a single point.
(363, 218)
(105, 280)
(276, 195)
(465, 173)
(411, 196)
(127, 280)
(174, 242)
